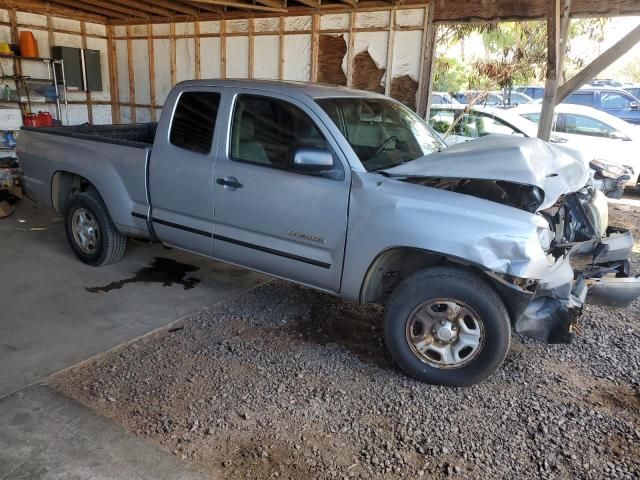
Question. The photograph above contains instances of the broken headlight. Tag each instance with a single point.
(545, 237)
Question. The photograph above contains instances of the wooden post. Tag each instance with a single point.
(281, 48)
(113, 76)
(390, 46)
(132, 79)
(350, 47)
(152, 71)
(599, 64)
(196, 41)
(251, 41)
(172, 42)
(423, 102)
(223, 48)
(83, 33)
(315, 46)
(557, 33)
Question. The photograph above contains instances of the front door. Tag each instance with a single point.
(181, 171)
(267, 216)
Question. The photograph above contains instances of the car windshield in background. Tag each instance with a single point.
(381, 132)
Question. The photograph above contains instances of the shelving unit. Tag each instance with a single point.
(23, 91)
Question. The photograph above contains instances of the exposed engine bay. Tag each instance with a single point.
(591, 259)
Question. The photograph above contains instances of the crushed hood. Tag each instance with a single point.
(554, 169)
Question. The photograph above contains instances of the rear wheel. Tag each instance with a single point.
(447, 326)
(90, 231)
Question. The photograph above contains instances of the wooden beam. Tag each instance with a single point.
(315, 46)
(46, 8)
(599, 64)
(101, 10)
(425, 82)
(251, 46)
(223, 48)
(557, 32)
(113, 76)
(310, 3)
(390, 45)
(350, 46)
(271, 3)
(83, 33)
(196, 41)
(110, 6)
(172, 42)
(152, 70)
(204, 7)
(181, 7)
(242, 5)
(144, 7)
(132, 78)
(281, 48)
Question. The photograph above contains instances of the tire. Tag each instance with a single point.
(108, 245)
(418, 310)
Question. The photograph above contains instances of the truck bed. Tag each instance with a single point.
(139, 135)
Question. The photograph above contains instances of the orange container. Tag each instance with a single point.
(28, 44)
(44, 119)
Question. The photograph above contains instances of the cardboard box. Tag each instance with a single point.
(6, 209)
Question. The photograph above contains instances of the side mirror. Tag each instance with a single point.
(312, 160)
(634, 105)
(619, 136)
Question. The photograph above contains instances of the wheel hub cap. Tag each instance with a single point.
(445, 333)
(86, 231)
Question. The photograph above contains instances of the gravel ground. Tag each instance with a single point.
(291, 383)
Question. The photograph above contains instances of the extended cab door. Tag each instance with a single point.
(181, 170)
(269, 217)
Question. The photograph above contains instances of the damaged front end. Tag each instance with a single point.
(591, 266)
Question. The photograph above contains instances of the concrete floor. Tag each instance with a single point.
(55, 312)
(49, 321)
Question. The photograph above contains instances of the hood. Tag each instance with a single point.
(554, 169)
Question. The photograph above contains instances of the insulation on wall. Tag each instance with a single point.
(265, 56)
(238, 57)
(297, 48)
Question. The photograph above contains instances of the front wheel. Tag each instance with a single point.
(91, 232)
(447, 326)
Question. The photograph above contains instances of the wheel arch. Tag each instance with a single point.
(394, 264)
(64, 184)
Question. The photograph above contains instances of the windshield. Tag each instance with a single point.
(381, 132)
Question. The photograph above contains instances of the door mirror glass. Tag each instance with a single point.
(312, 160)
(634, 105)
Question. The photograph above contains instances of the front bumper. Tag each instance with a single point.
(596, 272)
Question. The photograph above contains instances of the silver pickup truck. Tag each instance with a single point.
(351, 193)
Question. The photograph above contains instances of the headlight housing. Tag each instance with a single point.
(545, 236)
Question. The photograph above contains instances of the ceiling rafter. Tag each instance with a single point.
(144, 7)
(182, 7)
(203, 6)
(111, 6)
(77, 5)
(243, 5)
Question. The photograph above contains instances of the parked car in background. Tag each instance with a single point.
(459, 124)
(615, 101)
(351, 193)
(606, 137)
(633, 90)
(515, 98)
(478, 97)
(442, 98)
(535, 92)
(604, 82)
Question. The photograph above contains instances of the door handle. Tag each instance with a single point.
(229, 183)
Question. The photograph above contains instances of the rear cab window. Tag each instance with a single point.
(194, 121)
(585, 98)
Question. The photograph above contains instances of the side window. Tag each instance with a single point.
(614, 101)
(194, 121)
(581, 125)
(441, 120)
(491, 126)
(267, 131)
(534, 117)
(581, 99)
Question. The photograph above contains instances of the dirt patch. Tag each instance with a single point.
(286, 382)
